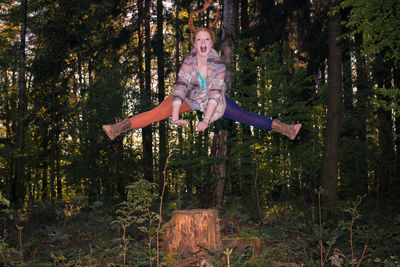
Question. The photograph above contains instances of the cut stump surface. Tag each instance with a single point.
(190, 230)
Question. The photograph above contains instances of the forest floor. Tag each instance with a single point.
(77, 234)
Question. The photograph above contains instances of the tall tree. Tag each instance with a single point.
(244, 15)
(245, 93)
(147, 132)
(396, 82)
(360, 178)
(17, 186)
(331, 150)
(220, 146)
(161, 90)
(385, 161)
(354, 146)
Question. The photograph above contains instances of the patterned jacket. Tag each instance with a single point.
(188, 87)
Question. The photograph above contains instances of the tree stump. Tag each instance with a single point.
(189, 230)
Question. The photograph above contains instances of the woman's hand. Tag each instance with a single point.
(175, 114)
(180, 122)
(202, 125)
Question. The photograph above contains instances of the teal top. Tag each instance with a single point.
(202, 81)
(203, 85)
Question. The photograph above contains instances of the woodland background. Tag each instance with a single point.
(328, 198)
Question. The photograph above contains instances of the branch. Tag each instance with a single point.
(161, 202)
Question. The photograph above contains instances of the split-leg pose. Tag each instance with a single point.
(232, 112)
(201, 86)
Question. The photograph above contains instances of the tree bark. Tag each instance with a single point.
(331, 150)
(396, 81)
(219, 170)
(348, 95)
(220, 147)
(387, 183)
(247, 97)
(17, 192)
(360, 178)
(59, 179)
(147, 133)
(161, 92)
(244, 16)
(177, 67)
(140, 45)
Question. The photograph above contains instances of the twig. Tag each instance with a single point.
(362, 255)
(320, 228)
(4, 258)
(150, 222)
(124, 226)
(228, 252)
(161, 202)
(320, 212)
(351, 237)
(20, 242)
(353, 218)
(256, 189)
(327, 253)
(321, 252)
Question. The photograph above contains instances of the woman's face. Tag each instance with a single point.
(203, 43)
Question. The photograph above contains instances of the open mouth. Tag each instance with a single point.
(203, 49)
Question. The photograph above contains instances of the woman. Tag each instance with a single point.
(201, 86)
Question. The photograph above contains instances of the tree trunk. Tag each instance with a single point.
(348, 95)
(17, 192)
(59, 181)
(247, 99)
(177, 36)
(385, 167)
(396, 80)
(360, 178)
(331, 150)
(177, 67)
(189, 231)
(220, 147)
(161, 91)
(347, 160)
(147, 133)
(140, 45)
(244, 16)
(45, 193)
(53, 174)
(219, 170)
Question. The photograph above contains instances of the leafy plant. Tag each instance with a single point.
(349, 225)
(5, 214)
(375, 19)
(136, 210)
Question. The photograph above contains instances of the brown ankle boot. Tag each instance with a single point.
(113, 130)
(290, 130)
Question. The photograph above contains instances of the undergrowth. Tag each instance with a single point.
(290, 233)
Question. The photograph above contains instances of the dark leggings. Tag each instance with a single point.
(235, 113)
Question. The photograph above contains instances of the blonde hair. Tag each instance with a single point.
(202, 29)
